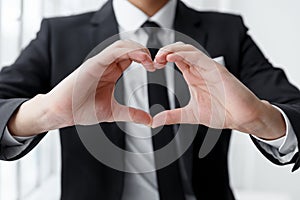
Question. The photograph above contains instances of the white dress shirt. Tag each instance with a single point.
(138, 139)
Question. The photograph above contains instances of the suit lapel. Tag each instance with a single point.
(187, 22)
(104, 24)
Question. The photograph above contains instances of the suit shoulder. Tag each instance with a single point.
(219, 15)
(70, 21)
(220, 18)
(214, 18)
(218, 21)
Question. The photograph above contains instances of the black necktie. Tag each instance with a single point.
(168, 178)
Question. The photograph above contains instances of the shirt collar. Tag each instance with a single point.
(130, 17)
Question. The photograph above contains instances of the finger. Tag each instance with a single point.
(191, 55)
(190, 58)
(122, 63)
(118, 50)
(159, 65)
(161, 55)
(142, 58)
(195, 59)
(168, 117)
(129, 114)
(122, 66)
(179, 61)
(138, 57)
(134, 51)
(172, 48)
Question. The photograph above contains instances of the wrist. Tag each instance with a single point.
(31, 118)
(268, 123)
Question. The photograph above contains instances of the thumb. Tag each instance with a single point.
(168, 117)
(129, 114)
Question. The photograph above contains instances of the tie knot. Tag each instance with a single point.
(150, 28)
(150, 24)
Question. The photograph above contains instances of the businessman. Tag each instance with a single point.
(36, 96)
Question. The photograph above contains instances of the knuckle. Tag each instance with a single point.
(189, 46)
(180, 43)
(143, 57)
(169, 117)
(90, 61)
(133, 114)
(131, 42)
(195, 55)
(118, 44)
(146, 50)
(167, 49)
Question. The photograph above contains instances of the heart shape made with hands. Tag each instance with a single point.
(210, 85)
(188, 59)
(217, 99)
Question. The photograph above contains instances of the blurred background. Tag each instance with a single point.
(275, 26)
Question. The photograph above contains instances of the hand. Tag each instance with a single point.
(85, 97)
(218, 99)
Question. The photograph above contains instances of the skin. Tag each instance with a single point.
(149, 7)
(58, 108)
(218, 99)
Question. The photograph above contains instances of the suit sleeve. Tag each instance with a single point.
(27, 77)
(271, 84)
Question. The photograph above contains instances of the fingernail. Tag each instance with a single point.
(149, 66)
(148, 62)
(155, 125)
(159, 65)
(151, 69)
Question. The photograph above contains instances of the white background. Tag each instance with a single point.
(274, 24)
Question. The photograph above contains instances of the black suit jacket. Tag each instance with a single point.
(63, 43)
